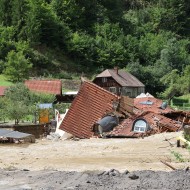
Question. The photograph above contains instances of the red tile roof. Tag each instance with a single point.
(157, 122)
(154, 107)
(2, 90)
(122, 77)
(90, 104)
(45, 86)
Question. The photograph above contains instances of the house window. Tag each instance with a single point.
(129, 94)
(139, 126)
(104, 79)
(112, 89)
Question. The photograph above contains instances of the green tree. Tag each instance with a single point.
(19, 13)
(79, 15)
(172, 82)
(175, 54)
(5, 12)
(6, 43)
(18, 102)
(44, 27)
(3, 113)
(16, 110)
(17, 66)
(185, 80)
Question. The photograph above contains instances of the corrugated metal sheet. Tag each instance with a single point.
(45, 86)
(45, 106)
(4, 131)
(123, 78)
(13, 134)
(90, 104)
(2, 90)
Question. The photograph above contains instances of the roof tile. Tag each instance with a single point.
(45, 86)
(155, 121)
(153, 107)
(90, 104)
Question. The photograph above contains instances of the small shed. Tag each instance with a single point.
(15, 136)
(44, 112)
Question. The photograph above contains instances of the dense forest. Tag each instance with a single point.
(149, 38)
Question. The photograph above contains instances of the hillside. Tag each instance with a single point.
(63, 39)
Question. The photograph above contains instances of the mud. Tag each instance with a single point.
(87, 164)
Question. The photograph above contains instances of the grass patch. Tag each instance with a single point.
(187, 96)
(182, 102)
(4, 81)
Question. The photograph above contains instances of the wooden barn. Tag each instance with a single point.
(120, 82)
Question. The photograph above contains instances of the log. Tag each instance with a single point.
(168, 165)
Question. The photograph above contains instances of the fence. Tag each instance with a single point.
(180, 104)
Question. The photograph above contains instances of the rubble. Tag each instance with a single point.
(92, 112)
(53, 136)
(91, 104)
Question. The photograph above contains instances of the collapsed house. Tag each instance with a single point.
(91, 104)
(145, 124)
(150, 116)
(97, 112)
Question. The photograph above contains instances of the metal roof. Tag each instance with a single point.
(90, 104)
(13, 134)
(45, 106)
(70, 93)
(122, 77)
(4, 131)
(45, 86)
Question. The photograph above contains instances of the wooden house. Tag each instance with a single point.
(120, 82)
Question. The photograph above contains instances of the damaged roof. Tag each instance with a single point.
(45, 86)
(122, 77)
(150, 104)
(157, 123)
(13, 134)
(90, 104)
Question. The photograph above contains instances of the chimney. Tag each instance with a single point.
(116, 69)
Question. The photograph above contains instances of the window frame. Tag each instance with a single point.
(137, 129)
(111, 88)
(104, 79)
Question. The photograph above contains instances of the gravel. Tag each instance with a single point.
(93, 180)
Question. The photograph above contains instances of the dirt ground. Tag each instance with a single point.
(88, 155)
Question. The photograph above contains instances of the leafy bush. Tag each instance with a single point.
(178, 156)
(63, 75)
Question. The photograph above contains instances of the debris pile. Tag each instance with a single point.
(91, 104)
(100, 113)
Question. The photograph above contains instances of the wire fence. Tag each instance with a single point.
(181, 106)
